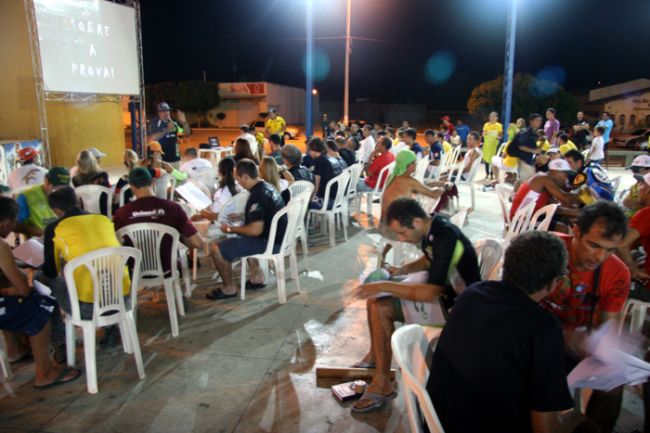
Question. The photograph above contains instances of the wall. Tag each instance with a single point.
(634, 105)
(72, 126)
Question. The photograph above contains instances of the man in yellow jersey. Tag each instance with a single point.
(492, 134)
(275, 124)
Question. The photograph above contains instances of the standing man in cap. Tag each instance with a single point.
(165, 131)
(29, 173)
(34, 212)
(275, 125)
(632, 201)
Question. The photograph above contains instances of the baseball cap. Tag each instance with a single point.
(643, 178)
(27, 154)
(155, 147)
(641, 161)
(559, 165)
(140, 177)
(447, 118)
(96, 152)
(163, 106)
(58, 176)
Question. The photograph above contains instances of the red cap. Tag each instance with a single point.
(447, 118)
(27, 153)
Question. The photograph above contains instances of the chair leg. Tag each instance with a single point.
(332, 229)
(369, 198)
(132, 332)
(178, 295)
(171, 305)
(303, 241)
(125, 336)
(295, 274)
(89, 354)
(70, 347)
(278, 262)
(195, 262)
(242, 285)
(345, 231)
(4, 361)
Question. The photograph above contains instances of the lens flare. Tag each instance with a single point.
(440, 67)
(322, 64)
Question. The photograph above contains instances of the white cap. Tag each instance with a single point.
(642, 161)
(96, 152)
(559, 165)
(643, 178)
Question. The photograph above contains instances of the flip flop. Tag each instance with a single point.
(59, 379)
(254, 286)
(364, 364)
(217, 295)
(27, 356)
(378, 401)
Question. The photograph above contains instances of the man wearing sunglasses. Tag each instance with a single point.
(165, 131)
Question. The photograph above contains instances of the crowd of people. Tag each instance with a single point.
(506, 347)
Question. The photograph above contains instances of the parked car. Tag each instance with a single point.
(636, 140)
(291, 133)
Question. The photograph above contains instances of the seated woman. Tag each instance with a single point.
(226, 190)
(88, 171)
(243, 150)
(279, 178)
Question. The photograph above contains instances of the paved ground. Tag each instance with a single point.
(240, 366)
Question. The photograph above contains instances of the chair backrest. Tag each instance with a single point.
(427, 203)
(355, 171)
(107, 267)
(521, 221)
(489, 252)
(383, 177)
(504, 192)
(342, 180)
(204, 189)
(411, 349)
(299, 187)
(305, 196)
(164, 186)
(148, 237)
(235, 205)
(205, 178)
(91, 197)
(212, 155)
(421, 168)
(292, 214)
(471, 175)
(459, 218)
(123, 191)
(616, 183)
(545, 214)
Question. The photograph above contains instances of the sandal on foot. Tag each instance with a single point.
(60, 378)
(254, 286)
(378, 401)
(217, 294)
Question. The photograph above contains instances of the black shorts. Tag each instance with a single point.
(28, 315)
(241, 246)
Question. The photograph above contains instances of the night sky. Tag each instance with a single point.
(591, 41)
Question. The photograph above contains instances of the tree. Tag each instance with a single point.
(530, 95)
(191, 96)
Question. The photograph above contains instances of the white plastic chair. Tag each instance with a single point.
(303, 191)
(520, 221)
(205, 180)
(504, 192)
(448, 163)
(299, 186)
(411, 348)
(378, 190)
(616, 184)
(107, 267)
(122, 200)
(212, 155)
(337, 207)
(421, 169)
(544, 214)
(148, 237)
(489, 252)
(458, 219)
(4, 360)
(165, 186)
(91, 197)
(287, 248)
(637, 310)
(469, 181)
(355, 171)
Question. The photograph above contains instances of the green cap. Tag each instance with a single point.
(4, 188)
(140, 177)
(58, 176)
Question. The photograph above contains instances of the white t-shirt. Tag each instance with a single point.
(367, 146)
(597, 151)
(30, 174)
(221, 196)
(395, 149)
(195, 165)
(252, 142)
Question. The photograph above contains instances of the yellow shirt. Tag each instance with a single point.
(569, 145)
(446, 146)
(275, 126)
(492, 130)
(544, 145)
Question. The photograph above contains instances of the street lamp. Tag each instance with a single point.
(509, 64)
(346, 86)
(309, 70)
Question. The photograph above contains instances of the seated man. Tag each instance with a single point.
(292, 159)
(544, 188)
(193, 164)
(632, 202)
(379, 159)
(25, 311)
(639, 231)
(448, 265)
(565, 144)
(34, 211)
(593, 290)
(325, 169)
(590, 174)
(30, 172)
(435, 147)
(147, 208)
(262, 205)
(347, 149)
(275, 141)
(510, 376)
(410, 135)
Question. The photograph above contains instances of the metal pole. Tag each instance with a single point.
(309, 71)
(509, 66)
(346, 88)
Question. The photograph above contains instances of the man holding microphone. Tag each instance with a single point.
(165, 131)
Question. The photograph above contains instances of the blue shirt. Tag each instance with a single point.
(463, 131)
(608, 125)
(417, 149)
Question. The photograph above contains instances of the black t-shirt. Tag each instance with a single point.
(299, 172)
(449, 251)
(500, 356)
(327, 168)
(580, 137)
(524, 138)
(348, 156)
(262, 205)
(168, 142)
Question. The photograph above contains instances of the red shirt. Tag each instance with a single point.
(641, 223)
(572, 302)
(377, 164)
(543, 199)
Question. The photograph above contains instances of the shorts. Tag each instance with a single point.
(421, 313)
(28, 315)
(525, 171)
(241, 246)
(497, 162)
(386, 232)
(362, 186)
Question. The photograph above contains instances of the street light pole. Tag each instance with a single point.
(346, 88)
(309, 70)
(509, 64)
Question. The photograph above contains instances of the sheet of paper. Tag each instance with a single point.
(30, 253)
(194, 196)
